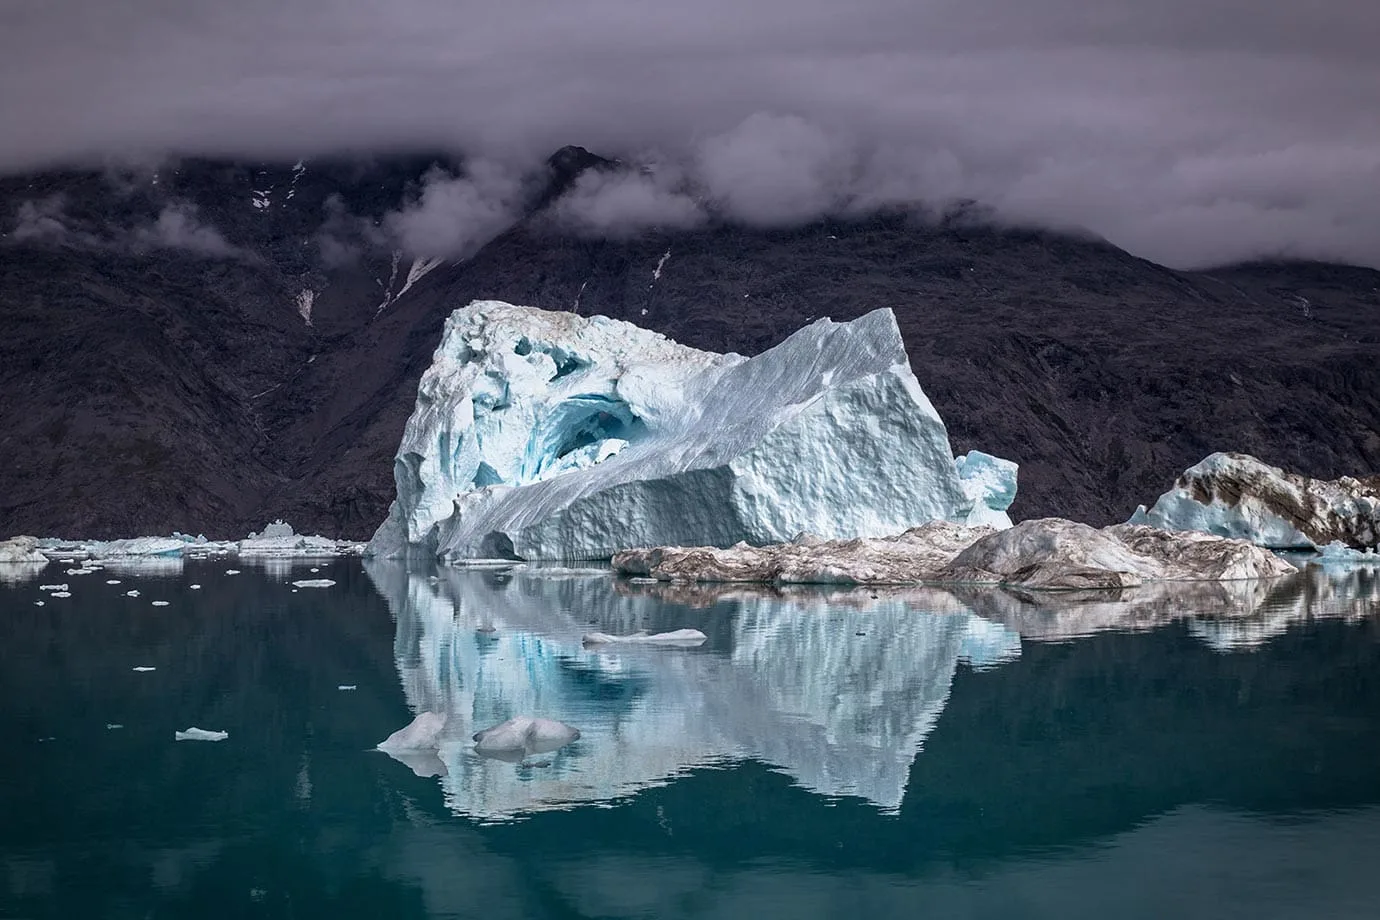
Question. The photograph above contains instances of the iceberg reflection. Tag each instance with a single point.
(836, 688)
(839, 698)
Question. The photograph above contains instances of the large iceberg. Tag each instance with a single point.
(541, 435)
(1236, 495)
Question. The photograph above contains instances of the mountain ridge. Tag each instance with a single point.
(169, 389)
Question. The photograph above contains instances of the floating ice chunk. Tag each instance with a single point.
(112, 581)
(523, 735)
(232, 571)
(141, 669)
(61, 587)
(684, 638)
(347, 687)
(38, 603)
(989, 484)
(1338, 553)
(313, 583)
(200, 734)
(61, 594)
(111, 726)
(279, 540)
(160, 603)
(1236, 495)
(21, 549)
(194, 587)
(422, 733)
(138, 546)
(82, 571)
(132, 593)
(540, 435)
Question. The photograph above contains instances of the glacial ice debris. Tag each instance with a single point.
(1338, 556)
(1236, 495)
(421, 734)
(907, 558)
(278, 539)
(21, 549)
(314, 583)
(676, 638)
(540, 435)
(1044, 553)
(1054, 553)
(523, 736)
(200, 734)
(989, 484)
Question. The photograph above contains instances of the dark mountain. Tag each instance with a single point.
(158, 378)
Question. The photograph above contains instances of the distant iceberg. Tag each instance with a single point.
(540, 435)
(21, 549)
(1236, 495)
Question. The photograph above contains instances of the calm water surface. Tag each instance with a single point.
(1208, 751)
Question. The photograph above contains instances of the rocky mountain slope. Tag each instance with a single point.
(177, 354)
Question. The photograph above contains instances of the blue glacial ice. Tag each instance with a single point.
(1236, 495)
(540, 435)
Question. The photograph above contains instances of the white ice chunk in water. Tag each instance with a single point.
(524, 735)
(112, 581)
(141, 669)
(313, 583)
(683, 638)
(232, 571)
(200, 734)
(194, 587)
(60, 594)
(160, 603)
(62, 587)
(132, 593)
(422, 733)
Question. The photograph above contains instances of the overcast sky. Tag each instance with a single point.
(1188, 131)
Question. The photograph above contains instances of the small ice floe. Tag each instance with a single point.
(160, 603)
(112, 581)
(134, 593)
(415, 745)
(315, 570)
(348, 687)
(141, 669)
(194, 587)
(420, 734)
(676, 638)
(313, 583)
(52, 587)
(61, 594)
(81, 571)
(232, 571)
(200, 734)
(521, 736)
(111, 726)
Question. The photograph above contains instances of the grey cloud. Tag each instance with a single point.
(179, 227)
(455, 215)
(1189, 131)
(614, 203)
(40, 221)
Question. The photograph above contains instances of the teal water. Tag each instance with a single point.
(1208, 751)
